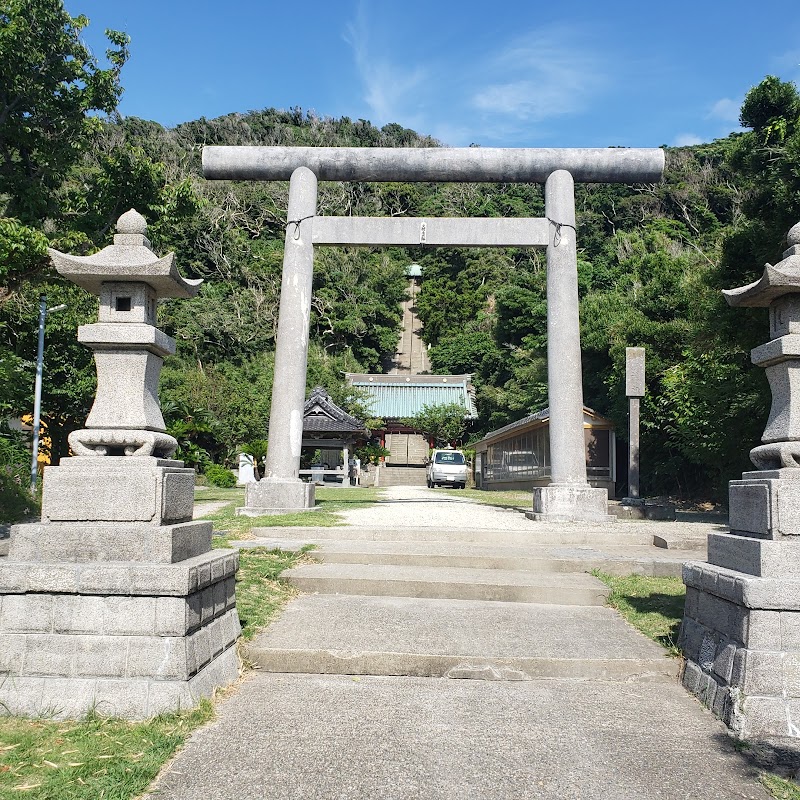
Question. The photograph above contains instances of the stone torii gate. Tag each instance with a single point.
(569, 496)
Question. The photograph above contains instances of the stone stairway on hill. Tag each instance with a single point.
(412, 352)
(461, 603)
(401, 476)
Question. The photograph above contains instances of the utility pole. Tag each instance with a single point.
(37, 392)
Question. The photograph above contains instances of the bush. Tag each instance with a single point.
(220, 476)
(16, 502)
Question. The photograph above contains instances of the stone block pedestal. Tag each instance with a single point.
(129, 618)
(277, 496)
(741, 635)
(766, 503)
(118, 489)
(569, 503)
(741, 627)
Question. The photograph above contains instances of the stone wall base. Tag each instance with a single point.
(277, 496)
(135, 699)
(124, 638)
(741, 638)
(569, 503)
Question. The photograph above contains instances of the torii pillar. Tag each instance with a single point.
(569, 496)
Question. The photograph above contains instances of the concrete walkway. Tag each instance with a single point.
(446, 649)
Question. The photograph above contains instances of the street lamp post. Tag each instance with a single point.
(37, 394)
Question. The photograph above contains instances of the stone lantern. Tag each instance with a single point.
(125, 419)
(741, 629)
(115, 600)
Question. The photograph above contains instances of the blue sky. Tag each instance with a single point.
(522, 73)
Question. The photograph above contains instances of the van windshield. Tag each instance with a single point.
(449, 458)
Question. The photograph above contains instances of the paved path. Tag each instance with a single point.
(419, 507)
(397, 678)
(304, 737)
(203, 507)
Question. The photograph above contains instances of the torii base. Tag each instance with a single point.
(271, 496)
(570, 503)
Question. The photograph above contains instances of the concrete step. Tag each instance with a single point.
(336, 634)
(540, 534)
(678, 541)
(638, 559)
(570, 588)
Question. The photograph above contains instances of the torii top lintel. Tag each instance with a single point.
(435, 164)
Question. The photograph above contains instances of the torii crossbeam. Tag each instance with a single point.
(569, 496)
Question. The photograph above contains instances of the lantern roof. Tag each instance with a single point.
(128, 259)
(777, 280)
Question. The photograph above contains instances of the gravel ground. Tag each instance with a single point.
(419, 507)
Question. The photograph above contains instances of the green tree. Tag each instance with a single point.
(16, 502)
(68, 378)
(767, 158)
(50, 85)
(445, 423)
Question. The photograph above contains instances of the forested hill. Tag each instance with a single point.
(652, 261)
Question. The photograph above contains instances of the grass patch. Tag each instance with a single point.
(509, 499)
(329, 501)
(214, 494)
(652, 605)
(780, 788)
(89, 759)
(260, 592)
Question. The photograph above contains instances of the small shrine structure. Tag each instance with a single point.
(517, 456)
(329, 428)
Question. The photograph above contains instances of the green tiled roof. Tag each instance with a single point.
(398, 400)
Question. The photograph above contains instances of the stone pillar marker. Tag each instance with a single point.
(568, 497)
(634, 391)
(346, 463)
(115, 601)
(741, 628)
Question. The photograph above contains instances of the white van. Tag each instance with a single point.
(447, 467)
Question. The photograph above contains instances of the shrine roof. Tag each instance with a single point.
(590, 418)
(401, 395)
(322, 415)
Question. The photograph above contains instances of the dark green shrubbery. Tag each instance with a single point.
(220, 476)
(16, 502)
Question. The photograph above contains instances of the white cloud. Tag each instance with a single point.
(686, 139)
(463, 95)
(387, 85)
(541, 75)
(726, 110)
